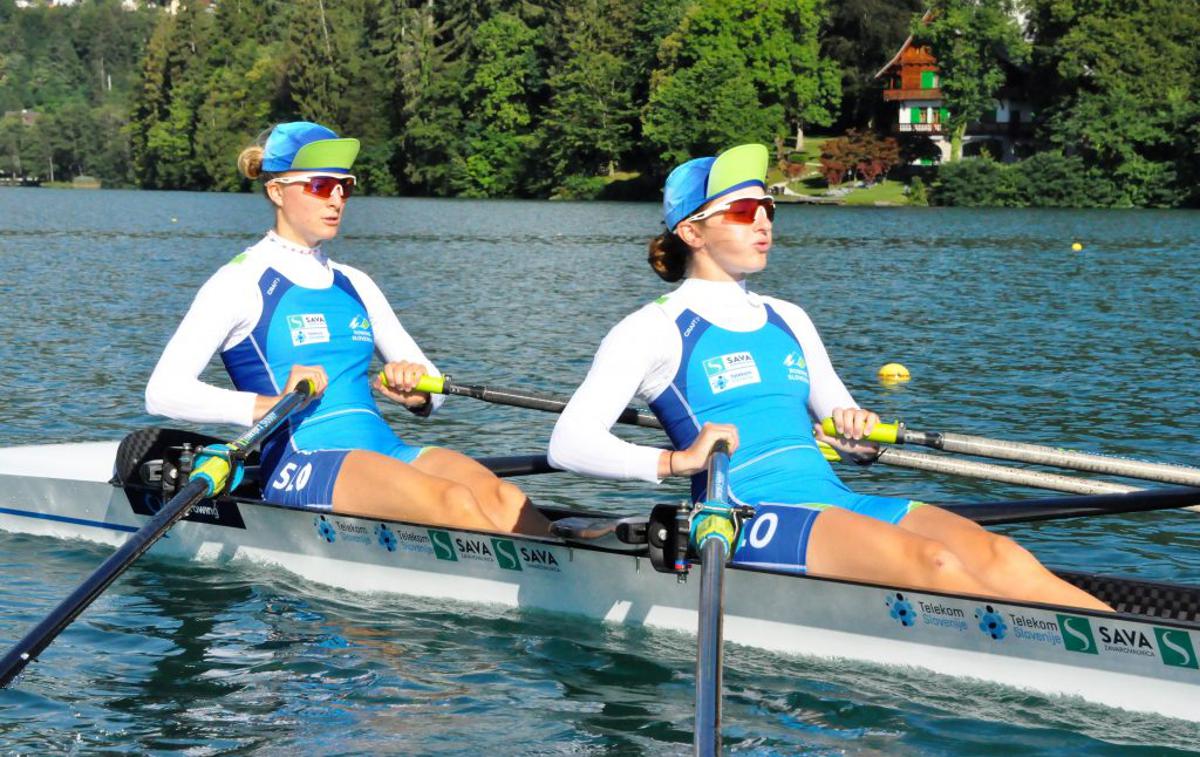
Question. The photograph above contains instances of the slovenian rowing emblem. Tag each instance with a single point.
(797, 369)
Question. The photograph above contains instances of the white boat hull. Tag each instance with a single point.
(1146, 665)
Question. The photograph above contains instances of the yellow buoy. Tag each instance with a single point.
(894, 373)
(1077, 247)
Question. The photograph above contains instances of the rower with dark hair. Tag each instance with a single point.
(716, 361)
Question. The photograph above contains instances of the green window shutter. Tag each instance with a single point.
(928, 79)
(945, 114)
(914, 115)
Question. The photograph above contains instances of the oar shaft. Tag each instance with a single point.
(1051, 508)
(40, 636)
(710, 637)
(1060, 458)
(208, 479)
(903, 458)
(715, 533)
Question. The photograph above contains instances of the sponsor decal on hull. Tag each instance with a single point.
(1176, 648)
(332, 530)
(503, 553)
(909, 612)
(991, 623)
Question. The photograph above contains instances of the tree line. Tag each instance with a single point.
(578, 98)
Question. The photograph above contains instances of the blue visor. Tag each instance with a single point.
(305, 146)
(701, 180)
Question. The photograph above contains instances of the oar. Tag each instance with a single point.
(905, 458)
(208, 480)
(1052, 508)
(893, 457)
(713, 536)
(898, 433)
(516, 398)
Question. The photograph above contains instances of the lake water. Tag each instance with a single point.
(1006, 330)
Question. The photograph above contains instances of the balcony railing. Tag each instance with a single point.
(1022, 129)
(912, 94)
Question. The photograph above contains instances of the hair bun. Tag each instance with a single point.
(250, 162)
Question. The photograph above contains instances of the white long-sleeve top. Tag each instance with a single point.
(639, 358)
(226, 310)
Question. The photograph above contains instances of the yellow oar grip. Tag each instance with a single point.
(829, 453)
(216, 470)
(884, 432)
(431, 384)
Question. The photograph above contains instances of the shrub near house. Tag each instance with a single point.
(858, 154)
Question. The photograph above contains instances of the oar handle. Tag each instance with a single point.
(427, 383)
(885, 433)
(432, 384)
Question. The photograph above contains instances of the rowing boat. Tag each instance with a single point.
(1142, 659)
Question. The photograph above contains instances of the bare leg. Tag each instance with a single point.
(1006, 567)
(379, 486)
(503, 502)
(847, 545)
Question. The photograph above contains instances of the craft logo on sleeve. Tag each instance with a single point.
(730, 371)
(308, 328)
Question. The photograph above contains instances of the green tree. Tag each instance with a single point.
(499, 139)
(862, 36)
(739, 71)
(589, 123)
(172, 89)
(1118, 85)
(973, 41)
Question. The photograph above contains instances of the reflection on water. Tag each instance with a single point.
(1007, 332)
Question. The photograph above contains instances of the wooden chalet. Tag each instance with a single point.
(912, 82)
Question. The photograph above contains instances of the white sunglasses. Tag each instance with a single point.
(741, 210)
(322, 185)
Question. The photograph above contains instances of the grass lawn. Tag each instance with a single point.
(885, 191)
(813, 183)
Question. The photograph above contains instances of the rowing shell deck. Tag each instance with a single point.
(1142, 659)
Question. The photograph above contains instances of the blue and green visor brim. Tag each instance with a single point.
(700, 181)
(308, 146)
(333, 155)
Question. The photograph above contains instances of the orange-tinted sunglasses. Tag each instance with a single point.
(322, 186)
(743, 210)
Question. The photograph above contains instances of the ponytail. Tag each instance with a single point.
(668, 256)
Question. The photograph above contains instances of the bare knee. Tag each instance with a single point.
(938, 562)
(510, 495)
(459, 504)
(1004, 551)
